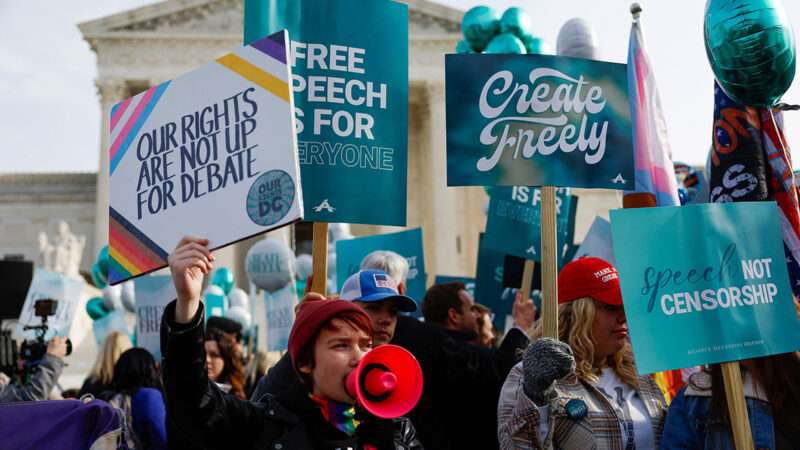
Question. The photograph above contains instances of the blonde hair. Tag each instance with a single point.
(575, 321)
(115, 344)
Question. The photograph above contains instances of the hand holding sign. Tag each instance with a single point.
(190, 261)
(523, 312)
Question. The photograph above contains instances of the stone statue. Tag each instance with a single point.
(64, 254)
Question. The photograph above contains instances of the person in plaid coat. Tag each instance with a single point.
(582, 392)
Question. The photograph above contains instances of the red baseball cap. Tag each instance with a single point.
(589, 277)
(312, 313)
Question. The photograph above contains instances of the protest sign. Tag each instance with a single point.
(212, 153)
(489, 290)
(537, 120)
(597, 242)
(408, 244)
(153, 294)
(469, 283)
(711, 277)
(350, 83)
(279, 306)
(50, 285)
(113, 321)
(513, 223)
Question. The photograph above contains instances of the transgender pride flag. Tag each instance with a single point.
(655, 174)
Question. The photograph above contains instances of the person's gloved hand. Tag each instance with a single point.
(544, 362)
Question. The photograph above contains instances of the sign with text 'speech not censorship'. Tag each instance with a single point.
(704, 284)
(513, 223)
(350, 83)
(211, 153)
(537, 120)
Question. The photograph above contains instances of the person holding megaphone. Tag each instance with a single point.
(350, 396)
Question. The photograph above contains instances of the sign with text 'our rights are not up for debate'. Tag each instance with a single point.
(350, 83)
(212, 153)
(537, 120)
(704, 284)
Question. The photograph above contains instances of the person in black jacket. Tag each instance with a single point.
(328, 339)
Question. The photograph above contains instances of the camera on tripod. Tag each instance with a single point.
(34, 349)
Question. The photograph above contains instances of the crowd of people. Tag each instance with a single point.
(519, 390)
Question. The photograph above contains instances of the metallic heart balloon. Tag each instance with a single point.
(479, 25)
(577, 39)
(506, 43)
(750, 45)
(516, 21)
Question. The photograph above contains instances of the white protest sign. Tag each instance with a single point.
(212, 153)
(153, 293)
(280, 317)
(45, 284)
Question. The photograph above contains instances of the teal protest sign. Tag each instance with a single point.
(711, 277)
(408, 244)
(469, 283)
(350, 82)
(489, 290)
(513, 223)
(537, 120)
(153, 294)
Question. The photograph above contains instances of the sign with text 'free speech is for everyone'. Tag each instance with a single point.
(350, 83)
(704, 284)
(537, 120)
(513, 223)
(212, 153)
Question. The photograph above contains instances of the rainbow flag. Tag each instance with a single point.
(655, 174)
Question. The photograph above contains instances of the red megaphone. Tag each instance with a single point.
(387, 381)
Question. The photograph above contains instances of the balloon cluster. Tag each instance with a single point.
(113, 298)
(750, 45)
(487, 32)
(236, 300)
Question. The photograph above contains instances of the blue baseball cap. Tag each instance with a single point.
(375, 286)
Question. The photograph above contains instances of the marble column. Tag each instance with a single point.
(111, 91)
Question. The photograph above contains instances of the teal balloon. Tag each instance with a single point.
(99, 277)
(479, 25)
(223, 277)
(516, 21)
(536, 46)
(750, 45)
(102, 260)
(463, 47)
(506, 43)
(96, 308)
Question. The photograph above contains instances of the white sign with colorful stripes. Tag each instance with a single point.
(212, 153)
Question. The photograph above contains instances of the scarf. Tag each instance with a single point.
(340, 415)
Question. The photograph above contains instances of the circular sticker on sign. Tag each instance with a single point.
(270, 197)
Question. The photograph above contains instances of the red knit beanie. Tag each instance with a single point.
(312, 313)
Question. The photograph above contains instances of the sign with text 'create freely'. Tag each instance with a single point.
(537, 120)
(704, 284)
(350, 83)
(212, 153)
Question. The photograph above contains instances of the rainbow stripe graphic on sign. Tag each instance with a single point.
(131, 252)
(127, 121)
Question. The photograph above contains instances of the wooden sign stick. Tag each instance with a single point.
(527, 279)
(319, 257)
(737, 408)
(549, 263)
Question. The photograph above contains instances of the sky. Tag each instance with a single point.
(50, 114)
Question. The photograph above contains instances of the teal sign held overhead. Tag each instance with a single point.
(489, 290)
(711, 277)
(408, 244)
(350, 83)
(537, 120)
(513, 224)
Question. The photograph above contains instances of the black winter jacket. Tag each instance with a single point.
(202, 416)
